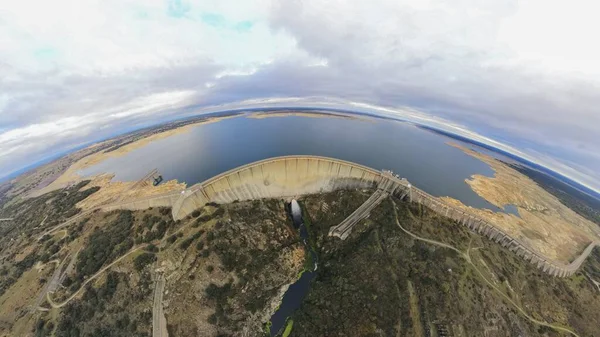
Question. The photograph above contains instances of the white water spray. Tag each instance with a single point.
(296, 212)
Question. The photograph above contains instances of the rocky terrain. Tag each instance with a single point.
(226, 276)
(384, 282)
(404, 271)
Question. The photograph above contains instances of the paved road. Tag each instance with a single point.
(49, 285)
(70, 267)
(159, 322)
(65, 302)
(574, 266)
(443, 208)
(56, 280)
(66, 223)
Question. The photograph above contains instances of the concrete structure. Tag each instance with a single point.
(291, 176)
(344, 229)
(388, 185)
(281, 177)
(485, 228)
(159, 322)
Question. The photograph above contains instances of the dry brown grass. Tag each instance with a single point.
(545, 224)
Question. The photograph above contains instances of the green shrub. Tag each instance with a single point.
(218, 212)
(210, 236)
(106, 244)
(151, 248)
(143, 260)
(186, 243)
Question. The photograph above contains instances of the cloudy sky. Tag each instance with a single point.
(525, 73)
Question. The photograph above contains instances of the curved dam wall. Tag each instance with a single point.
(487, 229)
(292, 176)
(279, 177)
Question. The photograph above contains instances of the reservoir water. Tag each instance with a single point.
(421, 156)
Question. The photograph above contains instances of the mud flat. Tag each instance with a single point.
(115, 191)
(545, 223)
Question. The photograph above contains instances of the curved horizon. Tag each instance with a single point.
(404, 114)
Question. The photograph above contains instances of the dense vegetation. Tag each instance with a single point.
(101, 312)
(143, 260)
(234, 247)
(233, 259)
(105, 245)
(381, 281)
(236, 256)
(30, 218)
(49, 209)
(154, 227)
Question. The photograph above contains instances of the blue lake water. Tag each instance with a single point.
(511, 209)
(421, 156)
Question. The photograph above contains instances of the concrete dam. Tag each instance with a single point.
(293, 176)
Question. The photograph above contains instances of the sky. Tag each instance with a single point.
(522, 74)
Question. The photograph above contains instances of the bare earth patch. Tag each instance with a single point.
(112, 192)
(545, 224)
(116, 191)
(119, 191)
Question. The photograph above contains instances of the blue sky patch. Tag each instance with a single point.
(244, 26)
(178, 8)
(45, 53)
(212, 19)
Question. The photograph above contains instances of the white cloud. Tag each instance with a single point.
(526, 73)
(555, 35)
(154, 103)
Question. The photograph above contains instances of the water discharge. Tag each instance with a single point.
(292, 299)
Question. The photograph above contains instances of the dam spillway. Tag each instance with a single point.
(293, 176)
(296, 211)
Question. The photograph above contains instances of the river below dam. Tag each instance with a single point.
(421, 156)
(292, 299)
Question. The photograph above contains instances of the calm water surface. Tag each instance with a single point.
(421, 156)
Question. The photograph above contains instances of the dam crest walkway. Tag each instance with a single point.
(293, 176)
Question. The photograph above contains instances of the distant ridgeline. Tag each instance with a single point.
(292, 176)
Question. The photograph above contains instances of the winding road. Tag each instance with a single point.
(467, 257)
(49, 285)
(93, 277)
(66, 223)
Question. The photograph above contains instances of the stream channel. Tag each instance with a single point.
(292, 299)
